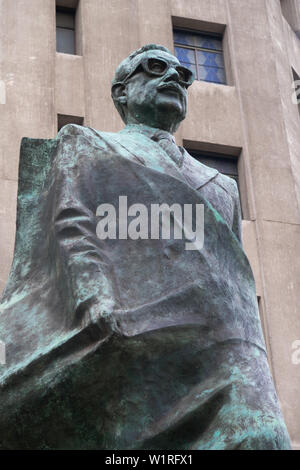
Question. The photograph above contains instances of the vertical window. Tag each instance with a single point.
(202, 53)
(65, 30)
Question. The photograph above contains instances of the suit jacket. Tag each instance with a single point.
(129, 343)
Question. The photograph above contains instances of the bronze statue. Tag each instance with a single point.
(122, 343)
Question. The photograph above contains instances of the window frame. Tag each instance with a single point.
(70, 11)
(199, 48)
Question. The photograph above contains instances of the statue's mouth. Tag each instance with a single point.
(171, 86)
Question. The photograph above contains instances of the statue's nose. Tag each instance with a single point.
(171, 74)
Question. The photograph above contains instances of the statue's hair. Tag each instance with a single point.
(148, 47)
(128, 65)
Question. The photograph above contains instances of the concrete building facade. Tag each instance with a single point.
(254, 117)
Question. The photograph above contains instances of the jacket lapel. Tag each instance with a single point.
(196, 174)
(145, 151)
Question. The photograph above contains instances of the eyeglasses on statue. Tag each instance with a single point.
(157, 67)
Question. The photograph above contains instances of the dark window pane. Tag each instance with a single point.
(65, 20)
(63, 120)
(224, 164)
(65, 40)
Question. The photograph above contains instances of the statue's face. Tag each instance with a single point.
(156, 91)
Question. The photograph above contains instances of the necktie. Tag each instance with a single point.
(167, 142)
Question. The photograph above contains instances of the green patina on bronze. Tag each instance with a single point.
(131, 344)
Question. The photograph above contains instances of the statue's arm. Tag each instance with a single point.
(82, 265)
(232, 199)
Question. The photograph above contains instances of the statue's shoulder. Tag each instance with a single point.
(206, 175)
(228, 184)
(79, 144)
(92, 136)
(197, 172)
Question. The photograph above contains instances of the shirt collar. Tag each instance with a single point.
(151, 132)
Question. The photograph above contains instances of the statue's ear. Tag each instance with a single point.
(119, 94)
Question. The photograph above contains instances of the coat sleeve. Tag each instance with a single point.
(83, 271)
(231, 200)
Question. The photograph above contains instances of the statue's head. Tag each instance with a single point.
(150, 87)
